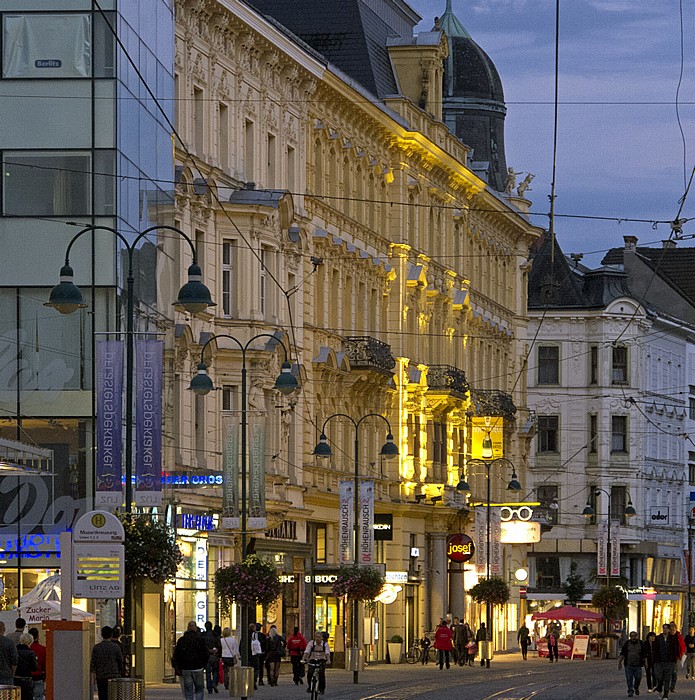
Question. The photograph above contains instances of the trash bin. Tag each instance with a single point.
(611, 648)
(126, 689)
(10, 692)
(241, 681)
(485, 650)
(354, 659)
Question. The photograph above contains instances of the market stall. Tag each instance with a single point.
(564, 613)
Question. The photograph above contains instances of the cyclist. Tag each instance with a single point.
(317, 650)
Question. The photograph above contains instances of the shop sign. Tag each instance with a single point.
(193, 521)
(519, 532)
(321, 578)
(459, 548)
(383, 527)
(388, 594)
(692, 504)
(396, 577)
(286, 530)
(524, 513)
(192, 479)
(658, 515)
(287, 578)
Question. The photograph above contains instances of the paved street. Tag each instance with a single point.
(508, 679)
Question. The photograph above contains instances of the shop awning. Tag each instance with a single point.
(568, 612)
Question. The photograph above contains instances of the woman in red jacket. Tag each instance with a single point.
(443, 643)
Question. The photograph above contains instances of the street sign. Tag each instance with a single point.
(98, 526)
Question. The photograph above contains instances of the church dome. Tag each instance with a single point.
(473, 100)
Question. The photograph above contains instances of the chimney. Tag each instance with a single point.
(668, 243)
(630, 243)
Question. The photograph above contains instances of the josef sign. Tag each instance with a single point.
(98, 557)
(459, 548)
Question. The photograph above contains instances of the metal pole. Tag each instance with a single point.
(355, 616)
(488, 607)
(243, 610)
(609, 550)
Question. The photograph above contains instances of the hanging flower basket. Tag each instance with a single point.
(358, 582)
(250, 582)
(150, 549)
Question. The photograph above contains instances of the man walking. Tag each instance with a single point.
(460, 642)
(665, 657)
(443, 643)
(19, 625)
(632, 657)
(191, 656)
(8, 658)
(681, 653)
(106, 662)
(690, 654)
(296, 644)
(523, 636)
(481, 636)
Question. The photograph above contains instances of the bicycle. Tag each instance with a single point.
(415, 653)
(315, 665)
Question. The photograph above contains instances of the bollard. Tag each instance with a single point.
(126, 689)
(241, 681)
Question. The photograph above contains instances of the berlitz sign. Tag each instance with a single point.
(459, 548)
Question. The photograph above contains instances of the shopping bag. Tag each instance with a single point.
(220, 672)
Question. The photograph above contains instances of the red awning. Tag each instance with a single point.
(568, 612)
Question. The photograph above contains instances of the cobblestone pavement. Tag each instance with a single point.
(509, 678)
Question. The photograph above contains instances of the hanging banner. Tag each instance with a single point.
(366, 522)
(109, 416)
(495, 543)
(347, 520)
(148, 423)
(480, 429)
(481, 540)
(602, 550)
(615, 550)
(257, 519)
(230, 477)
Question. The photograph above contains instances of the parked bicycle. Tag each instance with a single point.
(416, 652)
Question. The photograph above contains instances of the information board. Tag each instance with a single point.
(580, 647)
(98, 570)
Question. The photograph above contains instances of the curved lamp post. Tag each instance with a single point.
(323, 449)
(66, 298)
(201, 385)
(488, 462)
(589, 512)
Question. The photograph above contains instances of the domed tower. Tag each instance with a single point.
(473, 104)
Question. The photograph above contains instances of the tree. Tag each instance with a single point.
(611, 601)
(493, 590)
(575, 586)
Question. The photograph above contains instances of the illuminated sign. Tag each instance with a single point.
(519, 532)
(480, 427)
(321, 578)
(396, 577)
(383, 527)
(459, 548)
(388, 594)
(192, 479)
(522, 513)
(192, 521)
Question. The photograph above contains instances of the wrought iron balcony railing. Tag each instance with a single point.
(447, 378)
(490, 402)
(369, 353)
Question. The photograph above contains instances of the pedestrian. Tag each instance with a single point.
(255, 651)
(681, 653)
(470, 644)
(649, 662)
(26, 665)
(8, 658)
(230, 653)
(19, 625)
(212, 668)
(690, 654)
(40, 674)
(106, 662)
(317, 650)
(632, 657)
(191, 657)
(296, 644)
(460, 642)
(665, 657)
(275, 651)
(425, 644)
(263, 639)
(552, 644)
(443, 643)
(481, 636)
(523, 636)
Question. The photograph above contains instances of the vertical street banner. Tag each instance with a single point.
(481, 540)
(257, 519)
(602, 550)
(366, 522)
(615, 550)
(495, 543)
(148, 423)
(230, 477)
(347, 518)
(109, 415)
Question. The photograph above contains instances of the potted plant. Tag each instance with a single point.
(395, 646)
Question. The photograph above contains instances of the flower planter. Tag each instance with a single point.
(395, 652)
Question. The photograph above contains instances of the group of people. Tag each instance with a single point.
(455, 642)
(659, 656)
(205, 658)
(23, 660)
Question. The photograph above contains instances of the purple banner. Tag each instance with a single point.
(148, 422)
(109, 409)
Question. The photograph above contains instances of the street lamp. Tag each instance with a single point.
(589, 512)
(201, 385)
(388, 450)
(488, 462)
(66, 298)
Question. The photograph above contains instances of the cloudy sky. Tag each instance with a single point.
(620, 150)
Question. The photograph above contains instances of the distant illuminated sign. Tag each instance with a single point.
(480, 429)
(192, 479)
(193, 521)
(459, 548)
(519, 532)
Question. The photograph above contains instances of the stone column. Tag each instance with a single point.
(437, 579)
(457, 597)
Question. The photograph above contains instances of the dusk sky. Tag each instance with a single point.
(620, 150)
